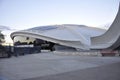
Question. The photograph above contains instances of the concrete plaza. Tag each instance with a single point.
(51, 66)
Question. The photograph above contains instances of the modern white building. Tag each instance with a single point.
(79, 37)
(76, 36)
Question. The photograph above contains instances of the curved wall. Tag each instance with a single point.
(110, 39)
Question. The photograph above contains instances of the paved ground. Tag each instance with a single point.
(49, 66)
(107, 72)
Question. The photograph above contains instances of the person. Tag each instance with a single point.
(37, 46)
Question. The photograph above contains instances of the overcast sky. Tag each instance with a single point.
(23, 14)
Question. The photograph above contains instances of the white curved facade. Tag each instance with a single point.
(76, 36)
(110, 39)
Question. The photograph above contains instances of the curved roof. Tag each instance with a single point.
(77, 36)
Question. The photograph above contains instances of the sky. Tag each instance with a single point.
(23, 14)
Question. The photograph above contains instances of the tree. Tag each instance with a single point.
(1, 38)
